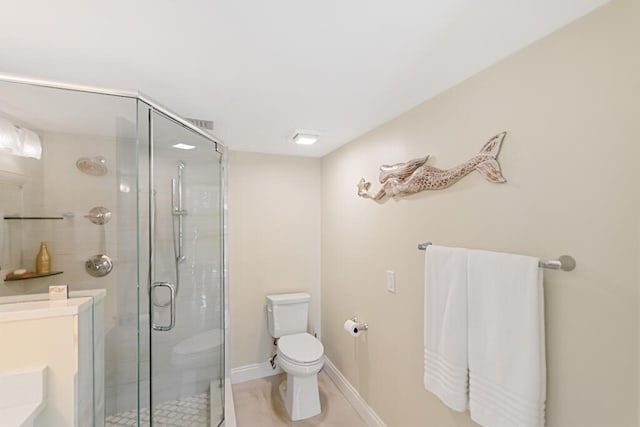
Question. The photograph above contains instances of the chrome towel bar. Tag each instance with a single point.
(564, 262)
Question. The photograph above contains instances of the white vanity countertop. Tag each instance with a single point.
(96, 294)
(10, 312)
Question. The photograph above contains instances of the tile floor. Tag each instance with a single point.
(192, 411)
(258, 404)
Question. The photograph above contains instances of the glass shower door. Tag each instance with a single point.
(185, 283)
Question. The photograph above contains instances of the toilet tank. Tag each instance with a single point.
(287, 313)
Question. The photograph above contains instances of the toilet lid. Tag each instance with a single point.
(303, 348)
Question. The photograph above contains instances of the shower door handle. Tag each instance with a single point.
(172, 291)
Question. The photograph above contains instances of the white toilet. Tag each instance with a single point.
(300, 354)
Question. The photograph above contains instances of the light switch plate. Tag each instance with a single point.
(391, 281)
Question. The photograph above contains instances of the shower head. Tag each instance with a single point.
(95, 166)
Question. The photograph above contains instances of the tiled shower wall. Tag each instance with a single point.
(55, 187)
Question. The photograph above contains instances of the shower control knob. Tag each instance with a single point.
(98, 265)
(99, 215)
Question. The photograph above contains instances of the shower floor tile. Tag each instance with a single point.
(191, 411)
(258, 403)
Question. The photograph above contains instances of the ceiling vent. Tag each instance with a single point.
(202, 124)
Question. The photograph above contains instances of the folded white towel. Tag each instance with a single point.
(445, 329)
(507, 370)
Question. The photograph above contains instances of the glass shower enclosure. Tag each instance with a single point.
(128, 197)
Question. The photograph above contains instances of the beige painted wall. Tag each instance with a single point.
(570, 105)
(274, 244)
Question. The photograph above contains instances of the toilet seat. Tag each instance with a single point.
(300, 349)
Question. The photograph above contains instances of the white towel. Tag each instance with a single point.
(445, 328)
(507, 370)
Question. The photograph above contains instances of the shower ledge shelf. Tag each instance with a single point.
(30, 275)
(32, 217)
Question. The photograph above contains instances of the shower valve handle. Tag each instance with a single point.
(99, 215)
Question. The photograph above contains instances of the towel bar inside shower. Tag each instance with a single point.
(564, 262)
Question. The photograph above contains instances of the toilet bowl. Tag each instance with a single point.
(301, 356)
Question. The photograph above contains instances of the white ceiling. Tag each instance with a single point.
(260, 69)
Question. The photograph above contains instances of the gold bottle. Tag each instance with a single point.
(43, 260)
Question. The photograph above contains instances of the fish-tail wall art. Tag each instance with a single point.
(414, 176)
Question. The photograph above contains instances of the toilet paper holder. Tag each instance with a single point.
(360, 326)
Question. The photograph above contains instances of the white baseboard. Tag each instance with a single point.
(252, 372)
(351, 394)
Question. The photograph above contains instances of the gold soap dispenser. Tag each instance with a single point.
(43, 259)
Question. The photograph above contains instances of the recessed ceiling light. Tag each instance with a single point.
(305, 137)
(182, 146)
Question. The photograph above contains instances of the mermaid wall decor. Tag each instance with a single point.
(414, 176)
